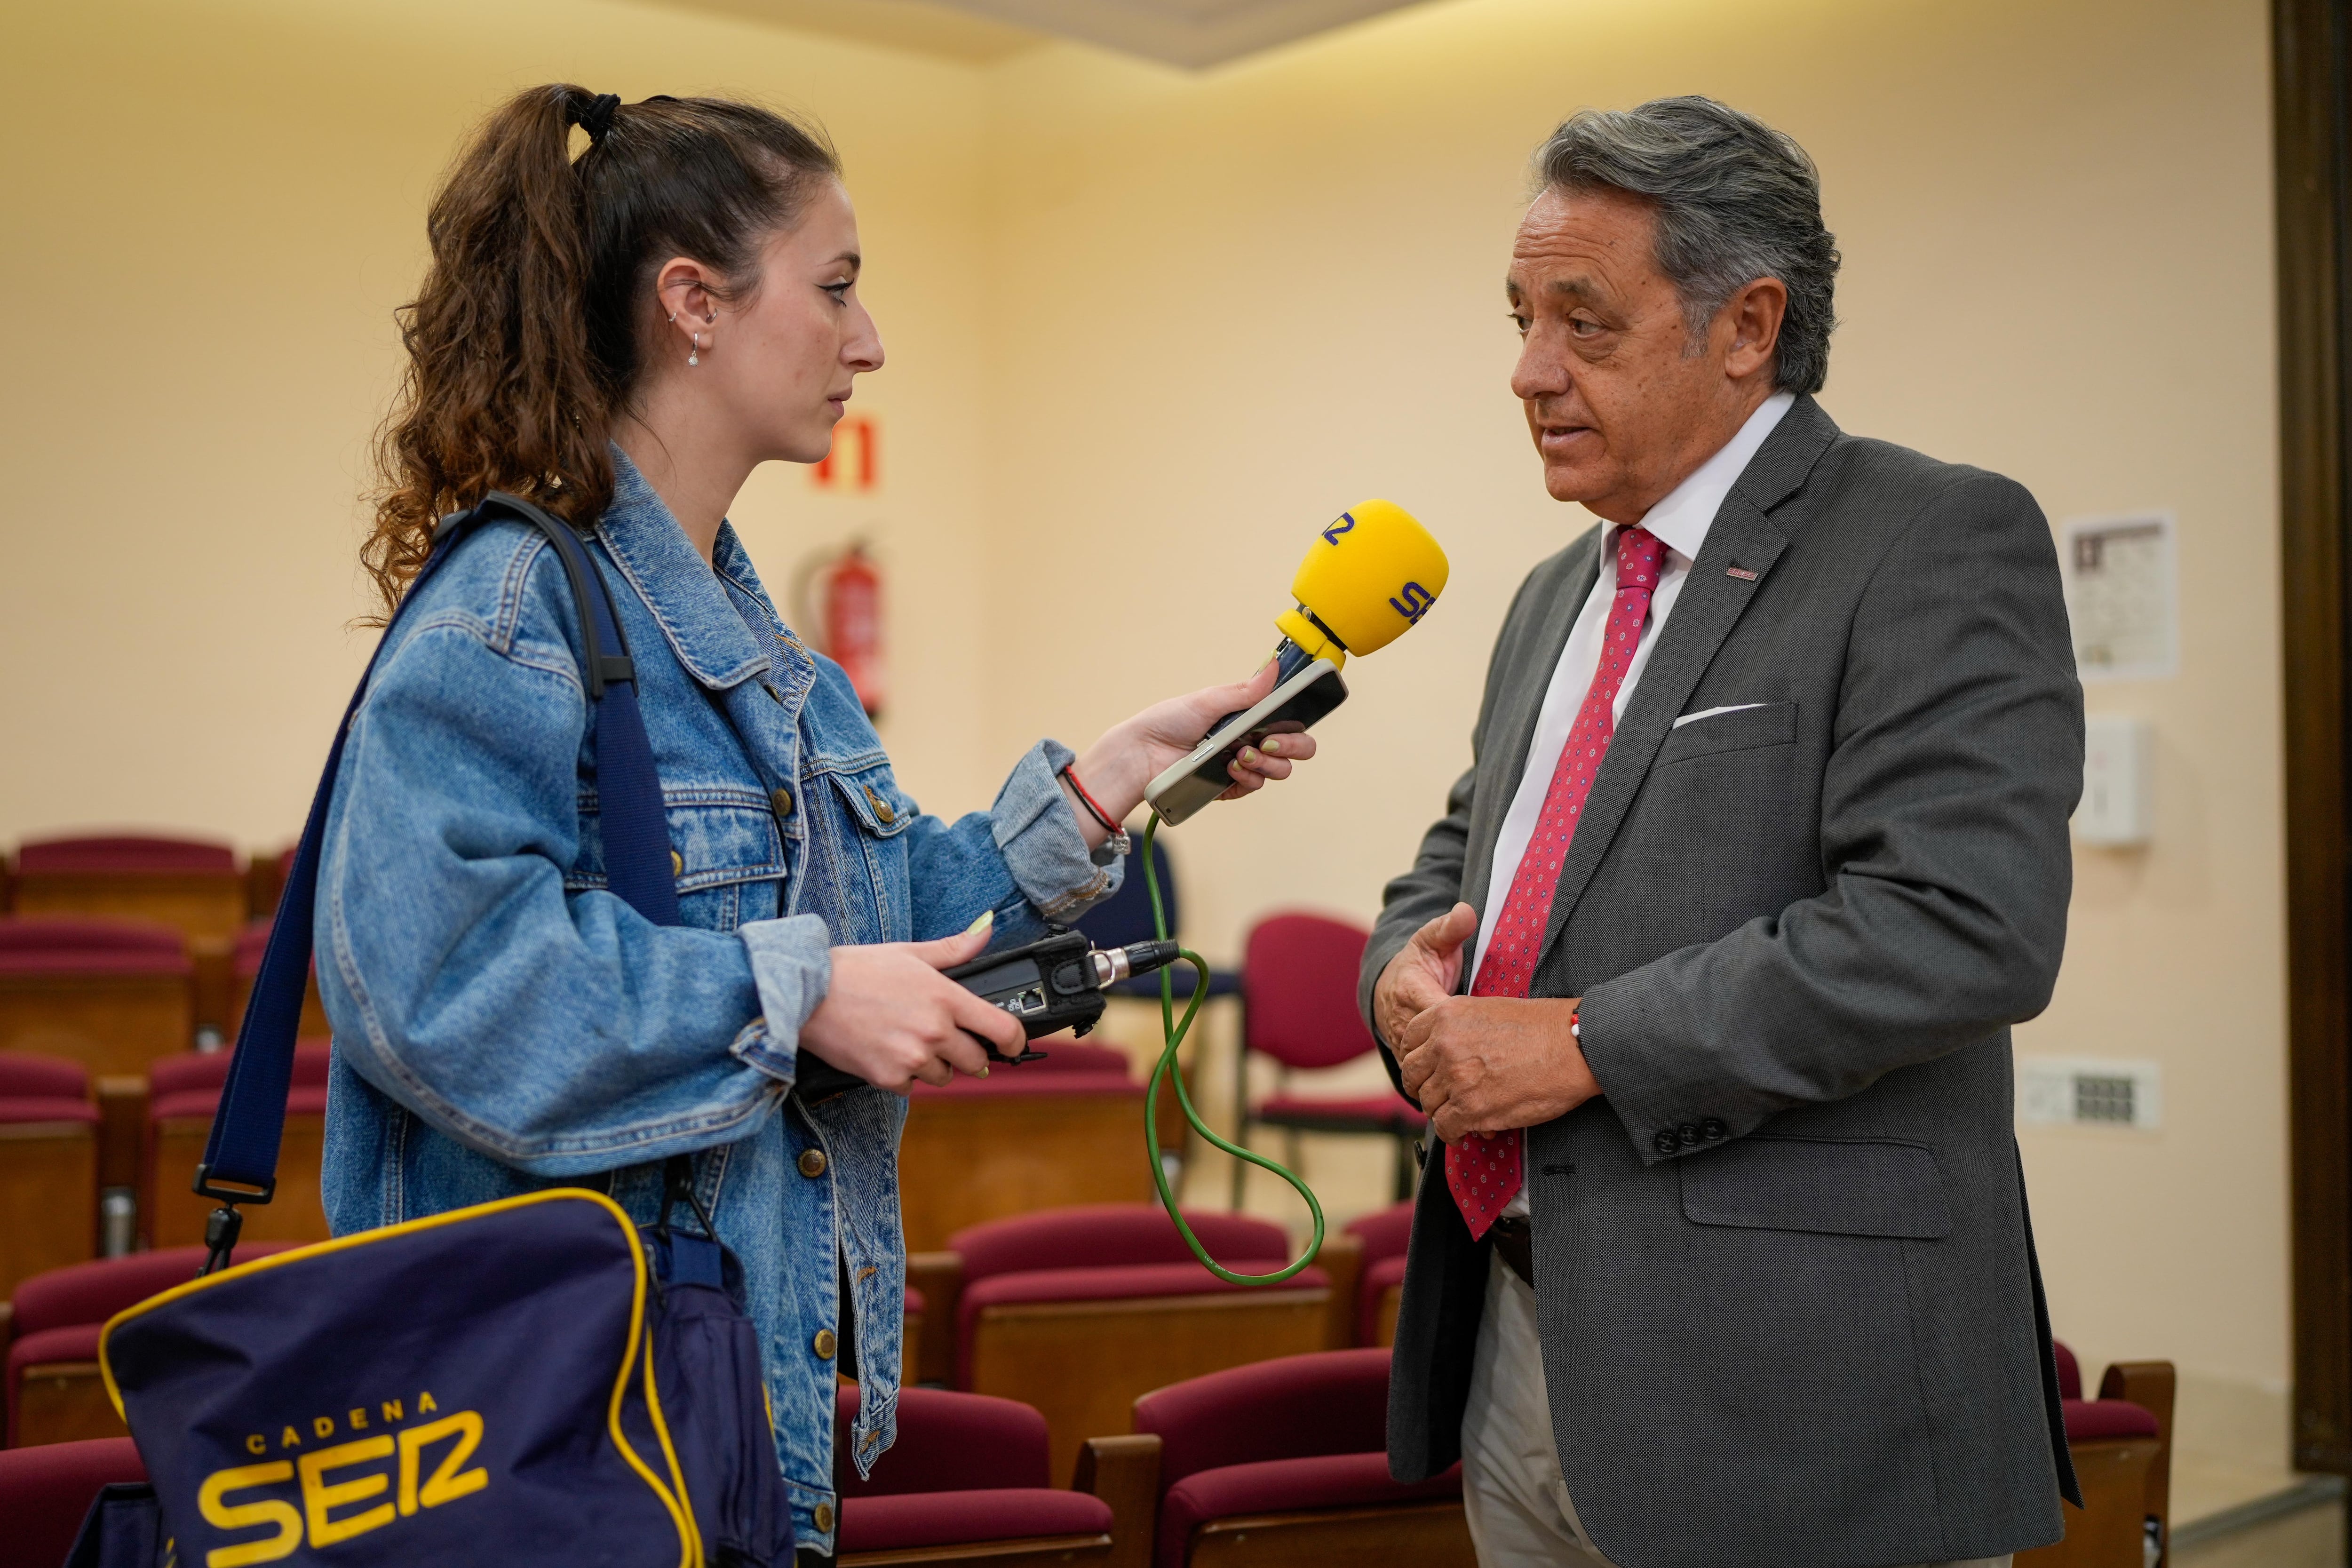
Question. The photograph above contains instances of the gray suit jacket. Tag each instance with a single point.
(1786, 1284)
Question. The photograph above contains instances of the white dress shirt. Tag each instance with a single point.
(1680, 521)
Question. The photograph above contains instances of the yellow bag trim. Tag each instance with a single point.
(681, 1517)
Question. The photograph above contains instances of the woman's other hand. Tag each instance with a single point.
(1133, 753)
(891, 1018)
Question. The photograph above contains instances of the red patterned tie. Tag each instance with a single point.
(1484, 1171)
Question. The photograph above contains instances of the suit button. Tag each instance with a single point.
(812, 1163)
(824, 1517)
(1687, 1134)
(1713, 1131)
(1665, 1143)
(822, 1344)
(782, 799)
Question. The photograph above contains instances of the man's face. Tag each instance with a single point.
(1621, 408)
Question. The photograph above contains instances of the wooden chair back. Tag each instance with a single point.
(48, 1167)
(1037, 1137)
(186, 1092)
(191, 885)
(113, 995)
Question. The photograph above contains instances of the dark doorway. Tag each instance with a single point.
(2313, 112)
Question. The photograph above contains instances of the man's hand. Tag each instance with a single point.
(1424, 973)
(1488, 1064)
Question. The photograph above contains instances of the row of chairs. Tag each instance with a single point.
(196, 885)
(1267, 1465)
(1075, 1311)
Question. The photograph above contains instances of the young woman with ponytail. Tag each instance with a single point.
(620, 337)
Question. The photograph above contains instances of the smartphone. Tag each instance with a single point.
(1305, 691)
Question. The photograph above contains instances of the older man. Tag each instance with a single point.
(1706, 976)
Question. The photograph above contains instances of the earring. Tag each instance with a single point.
(696, 357)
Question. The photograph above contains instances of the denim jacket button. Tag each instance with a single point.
(782, 799)
(812, 1163)
(822, 1344)
(824, 1517)
(882, 808)
(677, 864)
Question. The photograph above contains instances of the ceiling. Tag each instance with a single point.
(1192, 33)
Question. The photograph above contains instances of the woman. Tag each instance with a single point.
(622, 338)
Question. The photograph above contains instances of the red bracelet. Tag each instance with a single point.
(1094, 809)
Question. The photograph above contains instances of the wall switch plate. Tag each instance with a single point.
(2089, 1091)
(2113, 813)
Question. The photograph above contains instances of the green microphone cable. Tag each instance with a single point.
(1174, 1031)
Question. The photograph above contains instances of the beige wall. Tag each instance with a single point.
(206, 257)
(1147, 329)
(1232, 304)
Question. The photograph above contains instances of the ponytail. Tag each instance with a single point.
(524, 340)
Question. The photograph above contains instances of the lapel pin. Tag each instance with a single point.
(1742, 572)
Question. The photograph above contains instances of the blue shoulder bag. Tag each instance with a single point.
(532, 1380)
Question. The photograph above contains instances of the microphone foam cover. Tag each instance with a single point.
(1370, 576)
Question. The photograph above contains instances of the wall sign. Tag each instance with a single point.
(2123, 596)
(854, 465)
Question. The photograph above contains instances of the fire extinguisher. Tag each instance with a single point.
(847, 602)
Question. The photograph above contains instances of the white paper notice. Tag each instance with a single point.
(2123, 596)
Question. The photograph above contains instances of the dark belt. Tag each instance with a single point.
(1514, 1244)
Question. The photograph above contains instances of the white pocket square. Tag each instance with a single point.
(1711, 712)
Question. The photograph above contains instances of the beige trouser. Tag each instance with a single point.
(1520, 1512)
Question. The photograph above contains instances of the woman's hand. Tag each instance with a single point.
(891, 1018)
(1129, 755)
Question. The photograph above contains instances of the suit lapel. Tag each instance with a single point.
(1511, 730)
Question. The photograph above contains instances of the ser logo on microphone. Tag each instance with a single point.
(1412, 602)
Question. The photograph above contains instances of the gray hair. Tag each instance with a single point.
(1736, 201)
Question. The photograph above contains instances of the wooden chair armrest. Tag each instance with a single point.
(8, 1321)
(1125, 1473)
(940, 1276)
(1342, 1261)
(2150, 1385)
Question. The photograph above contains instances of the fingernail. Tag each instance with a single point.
(1273, 745)
(987, 918)
(982, 1073)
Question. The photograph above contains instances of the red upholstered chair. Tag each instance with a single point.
(969, 1481)
(110, 995)
(192, 885)
(54, 1392)
(1285, 1462)
(45, 1492)
(1298, 1006)
(1067, 1130)
(1382, 1234)
(1078, 1311)
(185, 1091)
(48, 1165)
(2122, 1445)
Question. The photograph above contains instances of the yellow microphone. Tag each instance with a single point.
(1368, 578)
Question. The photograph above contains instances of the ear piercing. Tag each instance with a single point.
(695, 355)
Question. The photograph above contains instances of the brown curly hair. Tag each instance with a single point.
(526, 338)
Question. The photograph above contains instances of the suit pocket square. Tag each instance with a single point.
(1733, 729)
(1837, 1185)
(1712, 712)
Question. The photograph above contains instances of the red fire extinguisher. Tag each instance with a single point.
(849, 618)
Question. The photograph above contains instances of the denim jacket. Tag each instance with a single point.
(502, 1023)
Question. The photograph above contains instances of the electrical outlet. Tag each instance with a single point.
(2089, 1091)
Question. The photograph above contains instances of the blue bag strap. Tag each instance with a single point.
(240, 1163)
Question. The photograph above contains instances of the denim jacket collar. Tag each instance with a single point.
(686, 599)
